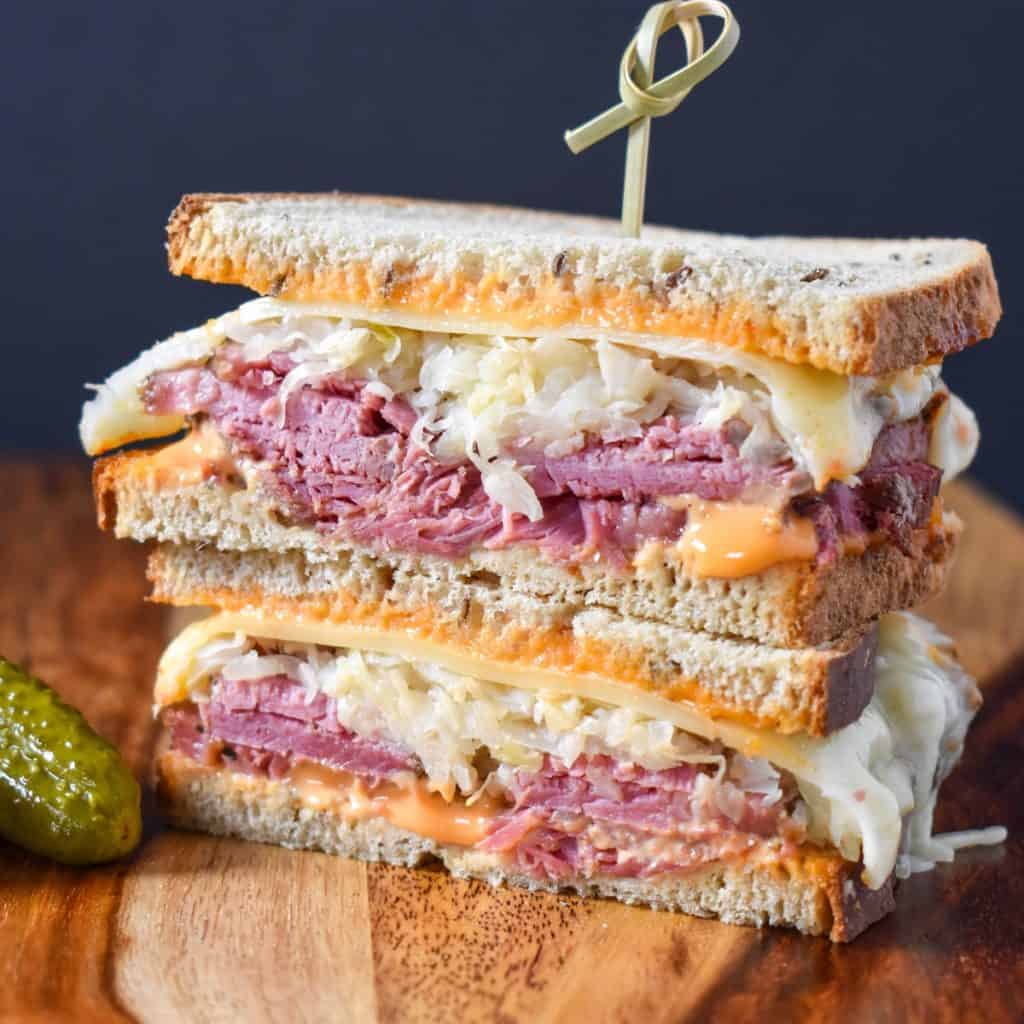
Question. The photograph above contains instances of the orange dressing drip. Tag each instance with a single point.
(195, 458)
(411, 806)
(728, 540)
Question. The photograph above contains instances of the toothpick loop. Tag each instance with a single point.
(642, 98)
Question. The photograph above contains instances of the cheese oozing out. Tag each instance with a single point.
(477, 397)
(869, 788)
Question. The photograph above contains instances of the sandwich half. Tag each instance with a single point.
(744, 437)
(371, 744)
(569, 560)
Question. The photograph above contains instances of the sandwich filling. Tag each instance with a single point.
(586, 449)
(565, 777)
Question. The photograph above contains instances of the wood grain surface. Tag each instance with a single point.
(200, 929)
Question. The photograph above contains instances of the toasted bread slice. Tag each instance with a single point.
(798, 603)
(851, 306)
(812, 890)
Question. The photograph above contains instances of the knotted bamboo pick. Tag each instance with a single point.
(642, 100)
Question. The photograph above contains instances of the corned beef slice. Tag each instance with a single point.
(601, 816)
(596, 816)
(342, 458)
(671, 457)
(274, 716)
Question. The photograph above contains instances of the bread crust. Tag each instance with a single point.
(814, 891)
(854, 307)
(796, 604)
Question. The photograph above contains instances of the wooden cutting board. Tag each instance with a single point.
(202, 929)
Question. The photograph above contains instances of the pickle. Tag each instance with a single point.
(65, 792)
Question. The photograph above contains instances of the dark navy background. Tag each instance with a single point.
(826, 120)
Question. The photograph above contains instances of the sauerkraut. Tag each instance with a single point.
(488, 398)
(446, 718)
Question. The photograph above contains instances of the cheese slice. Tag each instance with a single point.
(860, 783)
(830, 422)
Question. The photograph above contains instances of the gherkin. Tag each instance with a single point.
(65, 792)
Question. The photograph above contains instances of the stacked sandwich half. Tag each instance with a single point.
(574, 561)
